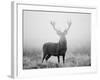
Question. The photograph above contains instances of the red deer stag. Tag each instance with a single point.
(56, 49)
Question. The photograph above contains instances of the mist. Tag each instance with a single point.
(37, 29)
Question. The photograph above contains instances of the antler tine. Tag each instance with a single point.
(69, 23)
(53, 23)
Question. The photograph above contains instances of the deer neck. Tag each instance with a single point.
(62, 42)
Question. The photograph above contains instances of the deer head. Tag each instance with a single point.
(62, 41)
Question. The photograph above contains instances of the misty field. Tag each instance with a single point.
(71, 31)
(32, 59)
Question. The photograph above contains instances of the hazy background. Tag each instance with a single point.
(37, 30)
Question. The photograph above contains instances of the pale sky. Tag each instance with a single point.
(38, 30)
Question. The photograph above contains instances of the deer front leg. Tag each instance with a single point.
(58, 59)
(43, 57)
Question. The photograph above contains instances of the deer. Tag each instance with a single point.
(56, 49)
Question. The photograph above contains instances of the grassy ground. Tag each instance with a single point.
(33, 60)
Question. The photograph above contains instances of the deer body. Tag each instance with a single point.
(56, 49)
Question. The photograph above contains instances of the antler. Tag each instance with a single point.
(53, 24)
(69, 24)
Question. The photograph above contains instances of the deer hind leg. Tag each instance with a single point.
(63, 59)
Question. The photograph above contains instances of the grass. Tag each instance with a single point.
(33, 60)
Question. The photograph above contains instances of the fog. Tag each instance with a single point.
(37, 29)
